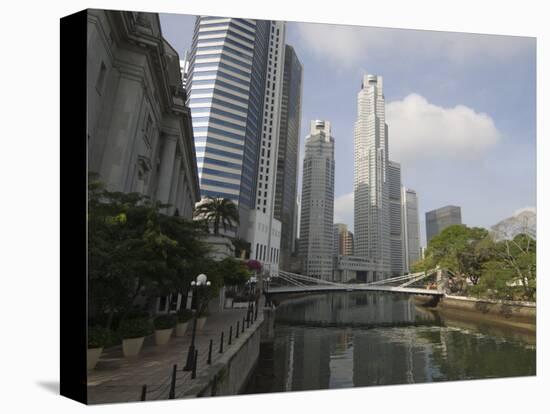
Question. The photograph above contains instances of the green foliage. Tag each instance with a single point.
(184, 315)
(511, 273)
(98, 337)
(233, 272)
(504, 269)
(135, 251)
(217, 211)
(164, 321)
(135, 328)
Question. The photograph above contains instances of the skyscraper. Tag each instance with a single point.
(396, 231)
(411, 227)
(317, 210)
(371, 201)
(287, 160)
(227, 81)
(441, 218)
(343, 244)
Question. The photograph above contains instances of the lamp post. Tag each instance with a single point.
(267, 280)
(196, 285)
(251, 285)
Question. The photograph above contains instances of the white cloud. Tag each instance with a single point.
(421, 130)
(345, 46)
(343, 210)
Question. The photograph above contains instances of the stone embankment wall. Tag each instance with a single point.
(520, 315)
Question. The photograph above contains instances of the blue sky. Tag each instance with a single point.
(460, 110)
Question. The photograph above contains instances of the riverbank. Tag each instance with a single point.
(518, 315)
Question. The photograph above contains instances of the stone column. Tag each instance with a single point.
(166, 168)
(174, 185)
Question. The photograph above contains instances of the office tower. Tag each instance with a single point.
(396, 235)
(411, 227)
(441, 218)
(317, 212)
(287, 160)
(371, 201)
(264, 231)
(343, 240)
(227, 83)
(138, 127)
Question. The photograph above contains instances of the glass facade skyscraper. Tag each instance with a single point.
(227, 77)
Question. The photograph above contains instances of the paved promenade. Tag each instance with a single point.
(119, 379)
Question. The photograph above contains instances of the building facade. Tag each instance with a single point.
(227, 81)
(411, 227)
(317, 209)
(288, 155)
(343, 240)
(140, 137)
(441, 218)
(371, 192)
(396, 228)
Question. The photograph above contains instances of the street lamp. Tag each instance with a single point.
(267, 280)
(201, 281)
(251, 287)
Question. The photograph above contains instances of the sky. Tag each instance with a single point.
(460, 109)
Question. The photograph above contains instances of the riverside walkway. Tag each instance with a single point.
(120, 379)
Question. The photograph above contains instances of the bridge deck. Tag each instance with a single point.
(354, 288)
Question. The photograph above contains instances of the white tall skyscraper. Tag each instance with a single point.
(317, 213)
(371, 201)
(411, 227)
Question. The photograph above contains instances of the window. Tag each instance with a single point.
(101, 78)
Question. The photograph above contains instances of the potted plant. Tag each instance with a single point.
(229, 297)
(184, 316)
(133, 331)
(201, 317)
(164, 326)
(97, 338)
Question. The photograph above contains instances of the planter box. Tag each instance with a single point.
(201, 322)
(162, 336)
(132, 346)
(181, 328)
(93, 357)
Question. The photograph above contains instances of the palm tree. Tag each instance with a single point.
(217, 211)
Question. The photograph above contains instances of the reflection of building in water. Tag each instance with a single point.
(397, 361)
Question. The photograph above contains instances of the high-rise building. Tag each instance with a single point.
(411, 227)
(227, 82)
(317, 210)
(371, 201)
(441, 218)
(396, 231)
(264, 231)
(343, 240)
(235, 80)
(287, 160)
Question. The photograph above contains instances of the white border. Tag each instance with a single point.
(29, 237)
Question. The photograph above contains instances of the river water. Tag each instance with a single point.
(356, 339)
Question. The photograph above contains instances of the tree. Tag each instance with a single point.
(134, 251)
(217, 211)
(460, 249)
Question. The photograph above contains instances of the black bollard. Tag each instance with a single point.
(172, 393)
(230, 335)
(221, 343)
(237, 331)
(143, 392)
(210, 353)
(243, 326)
(194, 372)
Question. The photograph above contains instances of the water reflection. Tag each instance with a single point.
(362, 339)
